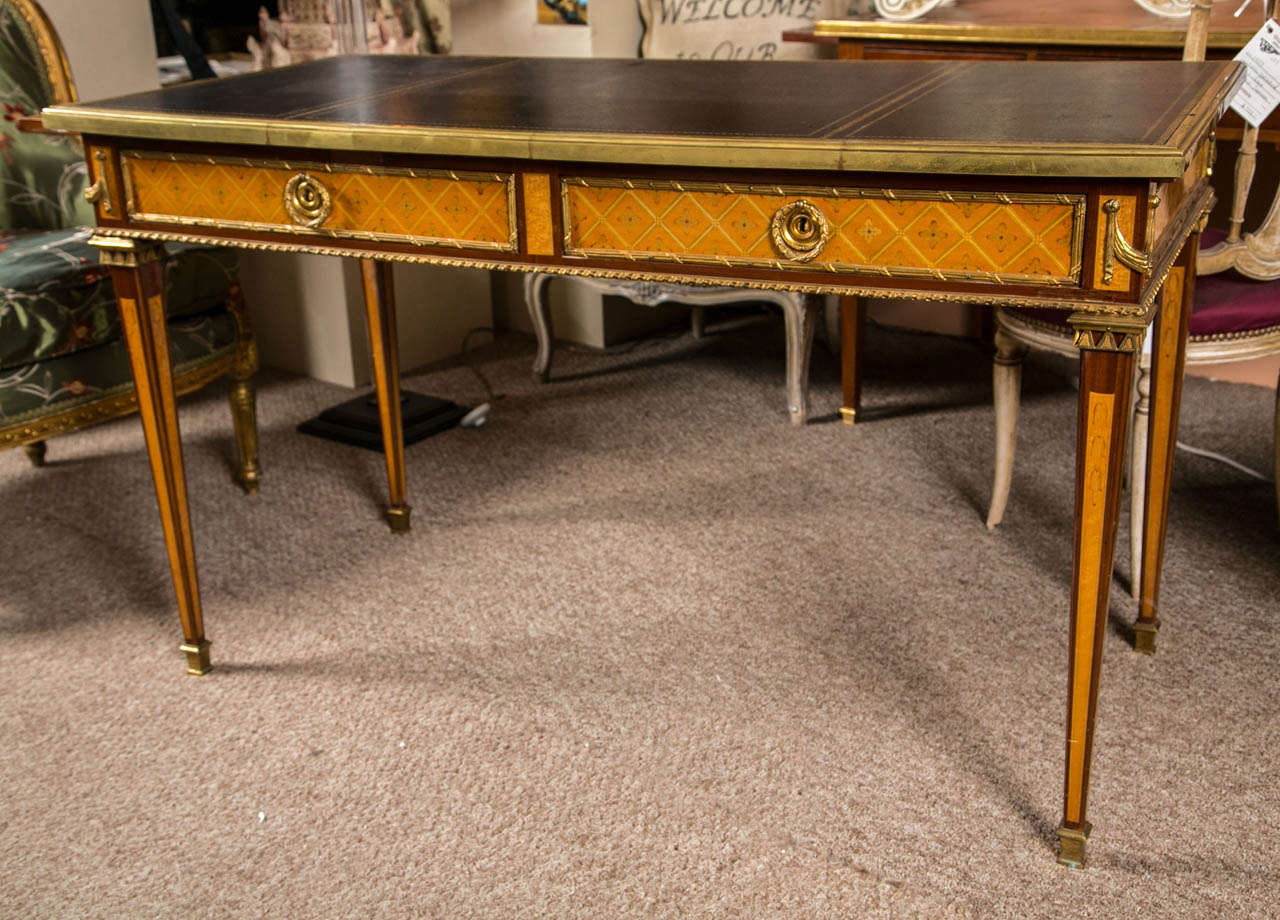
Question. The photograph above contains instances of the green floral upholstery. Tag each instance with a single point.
(43, 175)
(60, 336)
(57, 300)
(67, 382)
(63, 360)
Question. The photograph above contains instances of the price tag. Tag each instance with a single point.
(1260, 91)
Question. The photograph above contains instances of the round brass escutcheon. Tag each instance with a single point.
(307, 200)
(800, 230)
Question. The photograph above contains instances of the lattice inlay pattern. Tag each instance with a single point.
(429, 207)
(1029, 238)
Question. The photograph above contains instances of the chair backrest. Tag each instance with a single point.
(1197, 30)
(43, 176)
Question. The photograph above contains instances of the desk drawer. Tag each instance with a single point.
(973, 236)
(419, 206)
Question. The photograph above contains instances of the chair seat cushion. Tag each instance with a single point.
(41, 388)
(55, 299)
(1228, 302)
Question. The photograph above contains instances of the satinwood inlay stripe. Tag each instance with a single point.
(1097, 459)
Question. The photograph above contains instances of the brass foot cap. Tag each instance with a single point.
(848, 416)
(1144, 636)
(1071, 845)
(249, 480)
(398, 518)
(197, 657)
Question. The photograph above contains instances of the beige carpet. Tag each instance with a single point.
(648, 652)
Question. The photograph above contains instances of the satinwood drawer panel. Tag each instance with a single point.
(420, 206)
(1025, 238)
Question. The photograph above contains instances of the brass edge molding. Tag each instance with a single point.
(1076, 201)
(1188, 134)
(306, 167)
(992, 297)
(1115, 248)
(1116, 161)
(879, 30)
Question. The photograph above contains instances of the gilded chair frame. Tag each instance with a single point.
(239, 363)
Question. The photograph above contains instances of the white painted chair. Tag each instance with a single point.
(800, 313)
(1234, 318)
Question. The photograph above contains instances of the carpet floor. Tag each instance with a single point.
(649, 651)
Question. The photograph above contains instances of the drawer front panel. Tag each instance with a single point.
(419, 206)
(972, 236)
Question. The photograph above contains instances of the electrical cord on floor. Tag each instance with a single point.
(464, 353)
(1210, 455)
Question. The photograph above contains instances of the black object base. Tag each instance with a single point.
(356, 420)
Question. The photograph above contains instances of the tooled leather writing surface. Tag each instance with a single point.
(984, 103)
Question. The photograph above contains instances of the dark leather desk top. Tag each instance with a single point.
(1100, 119)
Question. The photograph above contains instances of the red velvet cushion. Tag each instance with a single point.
(1230, 302)
(1226, 302)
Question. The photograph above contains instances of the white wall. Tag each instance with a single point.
(501, 27)
(109, 44)
(508, 27)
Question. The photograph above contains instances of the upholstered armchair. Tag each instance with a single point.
(63, 360)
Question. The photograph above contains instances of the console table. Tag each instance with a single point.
(1077, 187)
(1018, 30)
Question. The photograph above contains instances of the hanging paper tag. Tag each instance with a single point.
(1260, 91)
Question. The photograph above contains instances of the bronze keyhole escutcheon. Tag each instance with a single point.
(307, 200)
(800, 230)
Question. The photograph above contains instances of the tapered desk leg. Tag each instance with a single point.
(1168, 360)
(137, 270)
(1103, 415)
(853, 321)
(380, 309)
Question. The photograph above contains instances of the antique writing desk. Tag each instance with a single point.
(1071, 186)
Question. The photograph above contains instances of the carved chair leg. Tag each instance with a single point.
(698, 322)
(244, 416)
(244, 419)
(535, 301)
(1276, 468)
(36, 451)
(1006, 390)
(1138, 473)
(853, 324)
(801, 318)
